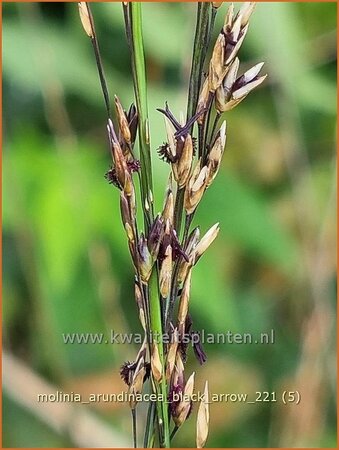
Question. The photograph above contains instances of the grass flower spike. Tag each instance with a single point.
(164, 248)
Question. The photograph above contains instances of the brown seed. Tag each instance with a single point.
(203, 100)
(171, 355)
(185, 162)
(165, 274)
(184, 301)
(122, 119)
(168, 209)
(156, 365)
(217, 68)
(145, 260)
(120, 163)
(129, 232)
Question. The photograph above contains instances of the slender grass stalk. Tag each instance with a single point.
(140, 88)
(201, 41)
(149, 429)
(161, 387)
(200, 47)
(134, 427)
(96, 49)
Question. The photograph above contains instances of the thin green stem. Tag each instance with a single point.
(157, 330)
(134, 35)
(95, 44)
(134, 426)
(134, 30)
(149, 431)
(198, 58)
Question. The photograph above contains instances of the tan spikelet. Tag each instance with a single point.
(184, 301)
(185, 162)
(203, 99)
(171, 356)
(156, 365)
(85, 19)
(168, 210)
(185, 405)
(206, 241)
(165, 275)
(203, 418)
(137, 383)
(123, 123)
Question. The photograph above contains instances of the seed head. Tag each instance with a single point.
(234, 90)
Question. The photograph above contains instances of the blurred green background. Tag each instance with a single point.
(66, 264)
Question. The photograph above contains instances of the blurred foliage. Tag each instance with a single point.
(66, 264)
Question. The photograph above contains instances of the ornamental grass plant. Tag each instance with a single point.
(164, 247)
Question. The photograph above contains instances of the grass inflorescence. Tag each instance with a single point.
(165, 250)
